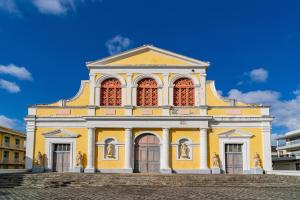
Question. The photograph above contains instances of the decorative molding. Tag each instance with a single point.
(49, 150)
(60, 133)
(235, 133)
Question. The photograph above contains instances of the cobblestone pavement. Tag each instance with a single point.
(142, 192)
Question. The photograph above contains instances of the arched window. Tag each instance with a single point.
(183, 92)
(111, 92)
(147, 92)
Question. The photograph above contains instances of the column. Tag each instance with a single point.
(165, 165)
(128, 150)
(30, 131)
(203, 151)
(91, 151)
(266, 142)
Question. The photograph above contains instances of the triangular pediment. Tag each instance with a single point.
(60, 133)
(147, 55)
(235, 133)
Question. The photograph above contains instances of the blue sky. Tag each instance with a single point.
(253, 47)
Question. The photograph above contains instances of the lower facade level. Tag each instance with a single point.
(148, 150)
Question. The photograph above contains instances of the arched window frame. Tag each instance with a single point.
(159, 88)
(110, 92)
(196, 88)
(190, 146)
(98, 87)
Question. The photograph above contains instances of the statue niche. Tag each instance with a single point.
(110, 149)
(184, 151)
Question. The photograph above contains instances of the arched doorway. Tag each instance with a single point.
(147, 154)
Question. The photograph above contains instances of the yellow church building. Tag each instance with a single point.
(148, 110)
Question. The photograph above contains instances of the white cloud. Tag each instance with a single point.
(55, 7)
(20, 72)
(117, 44)
(259, 75)
(9, 86)
(8, 122)
(58, 7)
(9, 6)
(258, 96)
(286, 112)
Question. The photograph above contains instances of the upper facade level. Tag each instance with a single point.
(148, 81)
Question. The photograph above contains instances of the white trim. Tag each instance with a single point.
(146, 132)
(266, 145)
(128, 152)
(103, 78)
(203, 149)
(245, 148)
(49, 150)
(30, 143)
(92, 89)
(91, 151)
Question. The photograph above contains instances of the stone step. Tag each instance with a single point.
(47, 180)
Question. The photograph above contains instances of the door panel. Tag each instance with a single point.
(61, 157)
(233, 158)
(147, 154)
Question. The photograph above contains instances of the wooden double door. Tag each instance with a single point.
(61, 158)
(147, 154)
(234, 158)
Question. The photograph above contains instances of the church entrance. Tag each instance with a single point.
(61, 157)
(147, 154)
(234, 158)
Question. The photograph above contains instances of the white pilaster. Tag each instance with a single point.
(129, 89)
(128, 150)
(166, 89)
(203, 151)
(92, 89)
(30, 131)
(165, 163)
(166, 107)
(266, 142)
(202, 94)
(91, 151)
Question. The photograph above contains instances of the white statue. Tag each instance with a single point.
(184, 151)
(215, 160)
(79, 159)
(256, 160)
(110, 150)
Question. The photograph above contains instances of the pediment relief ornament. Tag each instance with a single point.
(60, 133)
(235, 133)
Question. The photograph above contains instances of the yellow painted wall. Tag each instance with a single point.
(81, 141)
(149, 58)
(101, 136)
(255, 142)
(175, 136)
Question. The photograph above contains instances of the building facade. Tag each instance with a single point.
(288, 153)
(152, 111)
(12, 149)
